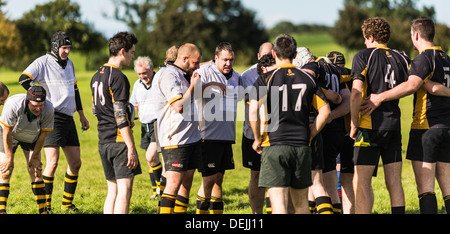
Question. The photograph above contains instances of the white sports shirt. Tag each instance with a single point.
(141, 97)
(174, 129)
(218, 121)
(58, 82)
(14, 115)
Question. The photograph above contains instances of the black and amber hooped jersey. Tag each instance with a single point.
(108, 85)
(381, 69)
(291, 95)
(431, 111)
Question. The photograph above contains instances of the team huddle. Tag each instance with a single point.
(307, 120)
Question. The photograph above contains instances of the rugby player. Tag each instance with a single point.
(141, 98)
(250, 158)
(375, 70)
(26, 119)
(286, 155)
(178, 132)
(110, 93)
(217, 126)
(429, 139)
(56, 73)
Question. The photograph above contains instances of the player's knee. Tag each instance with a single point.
(6, 175)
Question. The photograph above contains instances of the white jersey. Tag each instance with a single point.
(174, 129)
(57, 81)
(141, 98)
(248, 79)
(14, 116)
(218, 121)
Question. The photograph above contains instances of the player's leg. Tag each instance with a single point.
(393, 179)
(37, 182)
(443, 178)
(6, 169)
(278, 199)
(108, 206)
(124, 192)
(362, 186)
(71, 177)
(155, 166)
(255, 193)
(51, 163)
(299, 199)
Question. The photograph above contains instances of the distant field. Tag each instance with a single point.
(91, 190)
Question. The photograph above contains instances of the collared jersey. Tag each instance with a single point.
(431, 111)
(14, 115)
(291, 96)
(108, 85)
(218, 121)
(174, 129)
(58, 82)
(380, 69)
(141, 97)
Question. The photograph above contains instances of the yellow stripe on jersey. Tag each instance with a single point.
(31, 77)
(318, 102)
(366, 120)
(420, 120)
(345, 78)
(175, 99)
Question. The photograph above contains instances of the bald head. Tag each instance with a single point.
(188, 58)
(265, 48)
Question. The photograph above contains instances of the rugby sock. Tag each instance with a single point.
(447, 203)
(167, 204)
(162, 186)
(324, 205)
(337, 208)
(268, 206)
(203, 204)
(39, 193)
(70, 185)
(312, 206)
(216, 205)
(181, 205)
(398, 210)
(48, 180)
(428, 203)
(4, 193)
(153, 180)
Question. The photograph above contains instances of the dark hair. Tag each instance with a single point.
(266, 60)
(224, 46)
(285, 47)
(3, 89)
(121, 40)
(425, 27)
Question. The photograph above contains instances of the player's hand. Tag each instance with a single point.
(257, 146)
(195, 78)
(353, 132)
(84, 123)
(6, 164)
(35, 167)
(133, 160)
(370, 104)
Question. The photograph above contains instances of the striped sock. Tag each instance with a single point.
(70, 185)
(447, 203)
(216, 206)
(181, 205)
(4, 194)
(323, 205)
(153, 181)
(312, 207)
(203, 204)
(428, 203)
(39, 193)
(167, 204)
(268, 206)
(337, 208)
(48, 180)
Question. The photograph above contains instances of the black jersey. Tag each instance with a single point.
(108, 85)
(431, 111)
(380, 69)
(291, 94)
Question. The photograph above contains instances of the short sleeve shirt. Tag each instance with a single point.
(14, 115)
(141, 97)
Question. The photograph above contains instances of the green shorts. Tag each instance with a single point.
(286, 166)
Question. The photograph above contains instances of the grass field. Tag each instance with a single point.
(92, 188)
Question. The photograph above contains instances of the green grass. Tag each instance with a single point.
(92, 187)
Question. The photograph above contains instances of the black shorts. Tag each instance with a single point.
(371, 144)
(147, 134)
(64, 132)
(15, 144)
(114, 157)
(182, 158)
(217, 157)
(286, 166)
(431, 145)
(346, 155)
(333, 140)
(250, 159)
(317, 152)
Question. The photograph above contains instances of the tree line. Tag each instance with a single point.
(159, 24)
